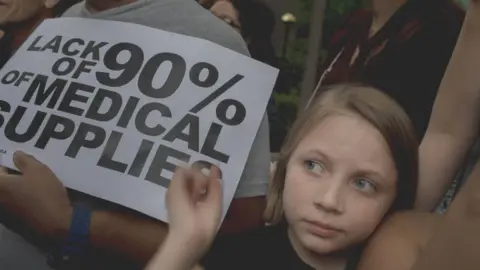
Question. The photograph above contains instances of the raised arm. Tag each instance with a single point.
(455, 117)
(194, 204)
(398, 242)
(456, 242)
(417, 241)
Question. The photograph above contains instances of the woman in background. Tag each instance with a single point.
(401, 47)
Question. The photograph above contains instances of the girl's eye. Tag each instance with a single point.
(364, 184)
(314, 167)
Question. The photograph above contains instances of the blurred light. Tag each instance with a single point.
(289, 18)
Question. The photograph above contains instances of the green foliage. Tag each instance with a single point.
(298, 48)
(283, 109)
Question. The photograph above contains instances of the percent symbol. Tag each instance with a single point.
(146, 69)
(223, 107)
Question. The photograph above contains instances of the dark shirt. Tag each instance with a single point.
(264, 248)
(259, 249)
(406, 59)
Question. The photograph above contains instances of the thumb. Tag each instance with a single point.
(180, 187)
(215, 188)
(24, 161)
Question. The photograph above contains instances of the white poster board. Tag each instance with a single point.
(112, 107)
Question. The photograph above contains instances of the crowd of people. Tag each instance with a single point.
(355, 184)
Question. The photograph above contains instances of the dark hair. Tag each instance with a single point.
(5, 46)
(257, 22)
(62, 6)
(256, 17)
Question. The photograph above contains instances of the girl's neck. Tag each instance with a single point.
(383, 11)
(102, 5)
(319, 262)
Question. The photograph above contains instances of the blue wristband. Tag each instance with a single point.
(76, 243)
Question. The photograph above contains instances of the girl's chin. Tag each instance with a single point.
(321, 246)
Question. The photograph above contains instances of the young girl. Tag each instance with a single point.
(349, 162)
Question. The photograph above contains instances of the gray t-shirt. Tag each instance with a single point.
(179, 16)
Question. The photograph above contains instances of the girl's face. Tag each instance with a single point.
(340, 182)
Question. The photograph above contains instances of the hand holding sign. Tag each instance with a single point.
(36, 198)
(194, 204)
(114, 114)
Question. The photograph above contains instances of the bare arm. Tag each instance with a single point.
(138, 238)
(396, 244)
(172, 256)
(435, 243)
(127, 235)
(456, 242)
(455, 118)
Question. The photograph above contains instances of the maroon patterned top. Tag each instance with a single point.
(406, 58)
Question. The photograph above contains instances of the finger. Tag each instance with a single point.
(214, 197)
(180, 184)
(215, 172)
(8, 180)
(215, 188)
(178, 197)
(200, 184)
(212, 206)
(25, 162)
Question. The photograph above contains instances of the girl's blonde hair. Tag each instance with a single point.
(376, 108)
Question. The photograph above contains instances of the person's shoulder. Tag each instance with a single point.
(204, 24)
(398, 241)
(446, 19)
(222, 34)
(74, 11)
(450, 12)
(440, 27)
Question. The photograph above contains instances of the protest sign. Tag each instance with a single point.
(113, 107)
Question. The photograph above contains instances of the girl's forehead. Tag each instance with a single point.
(346, 137)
